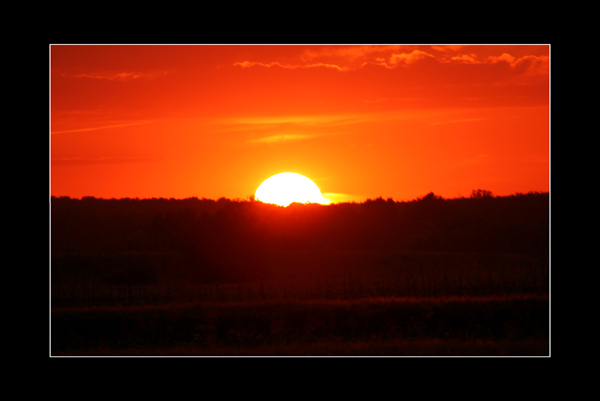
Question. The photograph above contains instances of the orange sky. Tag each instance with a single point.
(178, 121)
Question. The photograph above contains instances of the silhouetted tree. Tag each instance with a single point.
(481, 193)
(226, 240)
(430, 196)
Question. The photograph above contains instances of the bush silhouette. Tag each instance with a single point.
(481, 193)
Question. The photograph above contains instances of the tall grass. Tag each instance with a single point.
(375, 322)
(367, 303)
(305, 277)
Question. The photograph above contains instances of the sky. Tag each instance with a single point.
(361, 121)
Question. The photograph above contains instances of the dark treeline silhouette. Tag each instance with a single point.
(235, 240)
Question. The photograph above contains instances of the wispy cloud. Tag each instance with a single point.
(526, 65)
(463, 120)
(351, 52)
(465, 59)
(119, 125)
(120, 76)
(400, 59)
(283, 138)
(334, 197)
(280, 129)
(248, 64)
(292, 122)
(84, 161)
(352, 58)
(397, 99)
(409, 58)
(504, 57)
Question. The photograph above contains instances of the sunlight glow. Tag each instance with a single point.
(285, 188)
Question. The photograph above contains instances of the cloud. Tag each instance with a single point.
(278, 129)
(532, 68)
(292, 122)
(409, 58)
(352, 58)
(83, 161)
(351, 53)
(282, 138)
(397, 59)
(504, 57)
(121, 76)
(335, 197)
(464, 120)
(101, 127)
(463, 58)
(398, 99)
(248, 64)
(533, 65)
(525, 61)
(354, 55)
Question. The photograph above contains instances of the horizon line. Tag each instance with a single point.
(430, 195)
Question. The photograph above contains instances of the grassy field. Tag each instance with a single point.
(392, 348)
(307, 304)
(301, 276)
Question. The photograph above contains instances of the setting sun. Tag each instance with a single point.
(285, 188)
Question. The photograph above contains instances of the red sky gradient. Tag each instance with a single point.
(212, 121)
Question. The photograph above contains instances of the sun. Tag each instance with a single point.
(285, 188)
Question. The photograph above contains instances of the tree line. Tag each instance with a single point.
(510, 224)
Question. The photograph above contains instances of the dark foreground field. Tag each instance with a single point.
(433, 277)
(515, 325)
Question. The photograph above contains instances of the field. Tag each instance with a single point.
(285, 299)
(401, 304)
